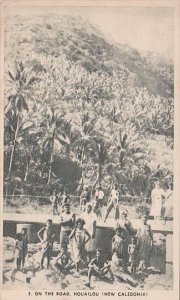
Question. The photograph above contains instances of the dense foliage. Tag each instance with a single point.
(72, 97)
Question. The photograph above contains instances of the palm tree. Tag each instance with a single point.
(16, 106)
(67, 137)
(126, 147)
(126, 155)
(98, 151)
(50, 130)
(86, 126)
(32, 149)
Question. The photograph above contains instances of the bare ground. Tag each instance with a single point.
(51, 279)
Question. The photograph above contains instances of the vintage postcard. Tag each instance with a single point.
(90, 149)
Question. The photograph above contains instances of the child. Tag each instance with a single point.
(63, 261)
(132, 250)
(145, 243)
(18, 251)
(119, 248)
(54, 200)
(47, 242)
(83, 199)
(99, 267)
(96, 209)
(24, 245)
(80, 237)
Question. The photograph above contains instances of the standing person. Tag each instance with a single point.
(79, 237)
(168, 204)
(145, 243)
(157, 195)
(66, 199)
(113, 202)
(67, 220)
(99, 267)
(119, 248)
(84, 198)
(46, 236)
(99, 195)
(24, 245)
(18, 251)
(98, 202)
(90, 225)
(55, 201)
(133, 255)
(125, 223)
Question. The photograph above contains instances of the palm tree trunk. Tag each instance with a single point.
(27, 170)
(41, 168)
(99, 173)
(27, 166)
(13, 149)
(51, 158)
(68, 151)
(82, 153)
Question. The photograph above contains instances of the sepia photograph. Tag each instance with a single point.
(88, 149)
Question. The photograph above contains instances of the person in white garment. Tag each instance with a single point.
(98, 202)
(113, 203)
(168, 204)
(100, 196)
(157, 196)
(90, 225)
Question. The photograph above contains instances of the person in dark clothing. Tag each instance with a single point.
(24, 245)
(63, 261)
(99, 267)
(46, 236)
(133, 255)
(18, 251)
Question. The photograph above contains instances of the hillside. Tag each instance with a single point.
(72, 96)
(87, 46)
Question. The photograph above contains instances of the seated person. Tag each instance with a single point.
(63, 261)
(99, 267)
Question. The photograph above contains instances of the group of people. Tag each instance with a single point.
(97, 202)
(55, 201)
(131, 249)
(161, 201)
(77, 250)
